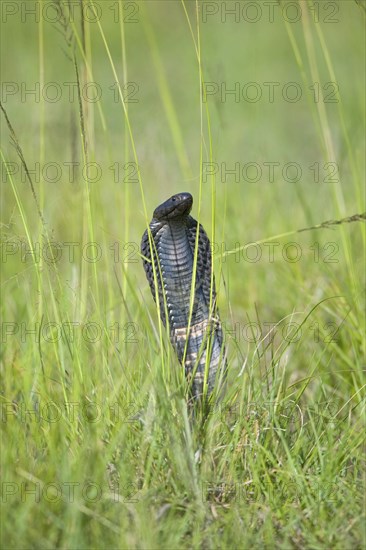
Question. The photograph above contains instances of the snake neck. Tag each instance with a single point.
(177, 263)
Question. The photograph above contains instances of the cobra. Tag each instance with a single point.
(195, 330)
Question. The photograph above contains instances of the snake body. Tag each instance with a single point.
(197, 333)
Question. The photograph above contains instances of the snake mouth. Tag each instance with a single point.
(176, 207)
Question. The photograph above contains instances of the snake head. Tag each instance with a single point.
(176, 207)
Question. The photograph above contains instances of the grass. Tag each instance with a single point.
(97, 446)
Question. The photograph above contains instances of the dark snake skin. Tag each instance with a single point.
(174, 232)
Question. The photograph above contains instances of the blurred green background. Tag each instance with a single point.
(183, 139)
(160, 52)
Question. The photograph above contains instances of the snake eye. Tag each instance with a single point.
(173, 199)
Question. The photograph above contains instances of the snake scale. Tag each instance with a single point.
(173, 234)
